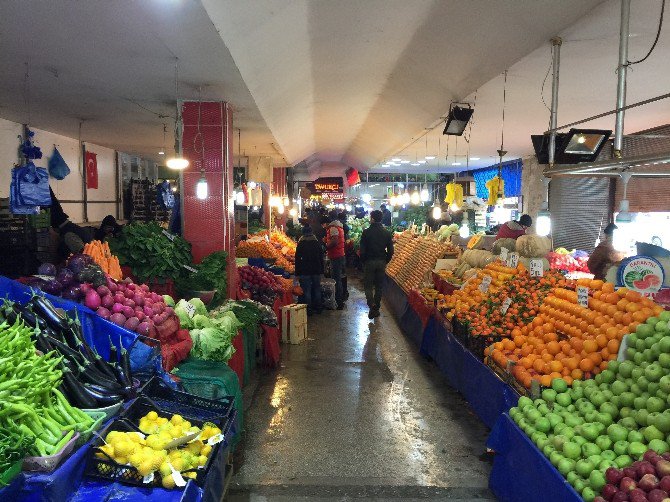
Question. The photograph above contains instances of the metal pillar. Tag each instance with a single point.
(556, 63)
(622, 70)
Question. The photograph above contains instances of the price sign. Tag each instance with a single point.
(190, 269)
(216, 438)
(168, 235)
(190, 309)
(513, 260)
(177, 477)
(486, 282)
(505, 305)
(583, 296)
(536, 268)
(503, 254)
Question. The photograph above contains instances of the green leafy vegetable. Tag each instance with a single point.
(210, 275)
(151, 252)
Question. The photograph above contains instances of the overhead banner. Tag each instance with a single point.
(353, 178)
(327, 188)
(91, 163)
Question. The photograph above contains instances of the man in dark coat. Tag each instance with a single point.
(376, 252)
(308, 269)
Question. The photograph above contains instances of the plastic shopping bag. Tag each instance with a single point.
(57, 166)
(29, 189)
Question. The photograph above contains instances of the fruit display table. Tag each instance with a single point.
(520, 471)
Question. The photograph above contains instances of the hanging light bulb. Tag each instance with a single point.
(393, 200)
(177, 163)
(275, 201)
(367, 198)
(464, 231)
(239, 198)
(286, 201)
(543, 223)
(437, 212)
(425, 196)
(415, 198)
(406, 198)
(280, 209)
(201, 187)
(293, 212)
(454, 207)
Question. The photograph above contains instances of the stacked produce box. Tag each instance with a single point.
(145, 206)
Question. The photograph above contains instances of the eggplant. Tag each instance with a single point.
(103, 367)
(65, 349)
(76, 391)
(102, 398)
(125, 364)
(90, 375)
(121, 376)
(44, 309)
(113, 355)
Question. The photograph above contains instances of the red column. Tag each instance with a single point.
(207, 143)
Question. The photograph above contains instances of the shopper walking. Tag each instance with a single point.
(308, 269)
(336, 255)
(345, 287)
(386, 215)
(376, 252)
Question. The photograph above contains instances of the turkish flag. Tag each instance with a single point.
(91, 161)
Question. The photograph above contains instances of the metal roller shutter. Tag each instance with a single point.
(646, 194)
(579, 209)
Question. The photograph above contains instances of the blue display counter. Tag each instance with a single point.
(520, 470)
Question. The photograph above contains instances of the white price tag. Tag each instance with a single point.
(190, 309)
(190, 269)
(168, 235)
(513, 260)
(149, 478)
(486, 282)
(177, 477)
(505, 305)
(267, 238)
(216, 438)
(536, 268)
(503, 254)
(583, 296)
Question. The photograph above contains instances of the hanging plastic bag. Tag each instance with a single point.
(29, 189)
(496, 187)
(57, 166)
(165, 196)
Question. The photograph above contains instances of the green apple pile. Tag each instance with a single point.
(610, 421)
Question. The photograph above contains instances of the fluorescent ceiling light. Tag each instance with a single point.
(455, 163)
(396, 159)
(422, 161)
(430, 157)
(474, 158)
(415, 164)
(404, 161)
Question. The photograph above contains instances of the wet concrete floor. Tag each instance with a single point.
(356, 412)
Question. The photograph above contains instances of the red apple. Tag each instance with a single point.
(627, 484)
(630, 472)
(637, 495)
(664, 484)
(648, 482)
(613, 475)
(651, 456)
(663, 468)
(609, 491)
(644, 468)
(656, 495)
(620, 496)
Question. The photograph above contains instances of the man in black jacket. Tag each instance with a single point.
(308, 269)
(376, 252)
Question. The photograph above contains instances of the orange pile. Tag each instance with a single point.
(463, 300)
(569, 341)
(261, 248)
(103, 257)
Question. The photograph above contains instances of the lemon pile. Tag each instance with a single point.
(148, 454)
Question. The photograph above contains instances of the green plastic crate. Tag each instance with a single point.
(41, 220)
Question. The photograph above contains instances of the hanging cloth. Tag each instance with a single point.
(57, 166)
(496, 187)
(454, 194)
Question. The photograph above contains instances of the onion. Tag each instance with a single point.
(143, 328)
(128, 311)
(131, 323)
(119, 298)
(103, 290)
(92, 300)
(103, 312)
(129, 303)
(117, 308)
(148, 311)
(118, 319)
(108, 301)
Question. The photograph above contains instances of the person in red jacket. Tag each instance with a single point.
(515, 229)
(336, 254)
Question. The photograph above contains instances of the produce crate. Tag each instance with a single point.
(14, 236)
(18, 263)
(461, 330)
(294, 323)
(50, 462)
(108, 469)
(98, 418)
(189, 405)
(9, 475)
(477, 344)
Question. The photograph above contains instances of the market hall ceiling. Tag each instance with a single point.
(320, 80)
(353, 80)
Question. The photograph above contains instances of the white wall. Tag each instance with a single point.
(69, 188)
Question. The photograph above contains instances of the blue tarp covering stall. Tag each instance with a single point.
(520, 471)
(396, 297)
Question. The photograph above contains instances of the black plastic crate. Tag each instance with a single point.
(196, 407)
(18, 263)
(41, 220)
(40, 238)
(108, 469)
(477, 344)
(14, 237)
